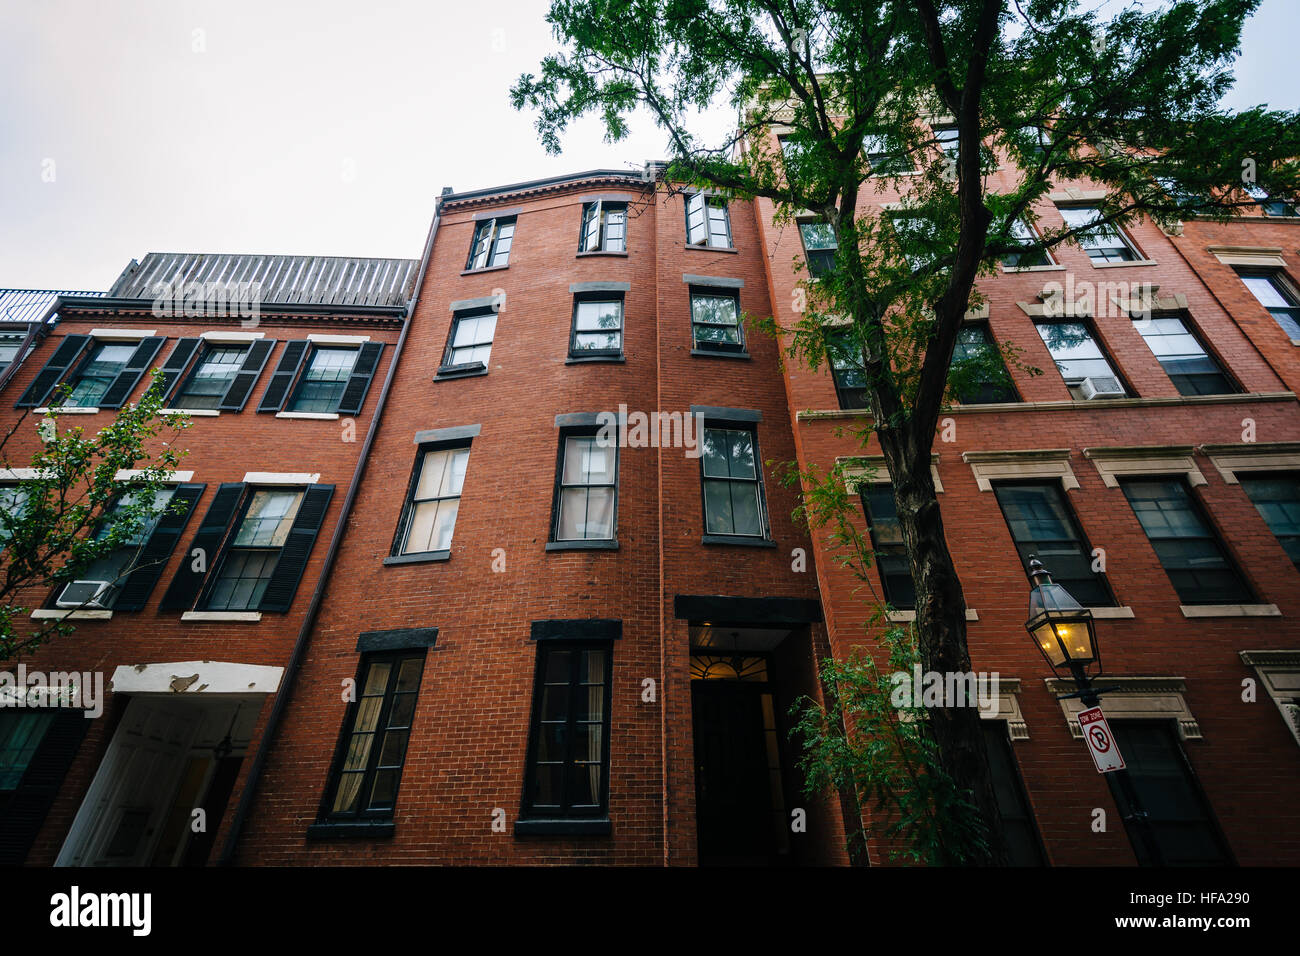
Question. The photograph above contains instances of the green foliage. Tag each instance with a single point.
(75, 512)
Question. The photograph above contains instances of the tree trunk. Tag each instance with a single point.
(941, 626)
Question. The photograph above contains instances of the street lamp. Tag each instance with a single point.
(1066, 634)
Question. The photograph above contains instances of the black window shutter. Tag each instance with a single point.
(297, 548)
(64, 356)
(278, 390)
(27, 806)
(354, 395)
(153, 556)
(126, 380)
(241, 386)
(184, 589)
(176, 363)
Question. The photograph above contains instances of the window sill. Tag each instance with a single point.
(710, 353)
(601, 252)
(744, 541)
(245, 617)
(562, 827)
(589, 359)
(1124, 265)
(328, 830)
(474, 272)
(1230, 610)
(460, 371)
(425, 557)
(315, 416)
(908, 616)
(58, 613)
(596, 544)
(192, 412)
(67, 410)
(1051, 268)
(1110, 612)
(728, 249)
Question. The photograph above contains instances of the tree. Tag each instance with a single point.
(1127, 102)
(73, 514)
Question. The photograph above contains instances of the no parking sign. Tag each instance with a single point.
(1101, 742)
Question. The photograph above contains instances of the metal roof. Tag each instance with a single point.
(30, 305)
(282, 280)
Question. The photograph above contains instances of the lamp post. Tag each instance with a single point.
(1066, 635)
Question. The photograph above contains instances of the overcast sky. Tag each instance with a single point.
(325, 127)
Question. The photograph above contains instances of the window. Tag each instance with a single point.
(819, 247)
(946, 137)
(324, 380)
(1277, 498)
(1103, 243)
(883, 160)
(1042, 525)
(1180, 353)
(918, 238)
(715, 321)
(1039, 138)
(707, 222)
(13, 504)
(429, 518)
(604, 227)
(1190, 552)
(1183, 823)
(977, 373)
(1080, 359)
(471, 339)
(250, 559)
(587, 489)
(107, 360)
(568, 741)
(733, 494)
(1024, 848)
(10, 343)
(21, 733)
(887, 542)
(597, 327)
(847, 368)
(377, 729)
(1276, 296)
(100, 584)
(1024, 234)
(491, 246)
(1271, 206)
(212, 377)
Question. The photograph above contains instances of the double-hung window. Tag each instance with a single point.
(376, 731)
(819, 247)
(89, 372)
(715, 320)
(1281, 301)
(433, 502)
(211, 378)
(1277, 498)
(1024, 846)
(13, 505)
(252, 554)
(1103, 242)
(1187, 546)
(567, 775)
(1079, 358)
(882, 159)
(97, 373)
(1180, 353)
(733, 486)
(887, 543)
(100, 584)
(604, 227)
(977, 373)
(1032, 255)
(1271, 206)
(947, 138)
(490, 248)
(1043, 526)
(847, 368)
(707, 221)
(324, 380)
(311, 378)
(586, 492)
(597, 326)
(470, 344)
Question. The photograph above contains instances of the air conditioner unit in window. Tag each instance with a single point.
(89, 594)
(1101, 386)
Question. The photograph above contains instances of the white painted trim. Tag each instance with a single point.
(990, 466)
(324, 339)
(233, 338)
(126, 334)
(248, 617)
(318, 416)
(192, 412)
(875, 472)
(126, 474)
(1133, 698)
(1124, 265)
(1073, 194)
(1279, 672)
(1249, 456)
(214, 677)
(24, 474)
(67, 410)
(280, 478)
(907, 617)
(1230, 610)
(55, 613)
(1258, 256)
(1007, 707)
(1112, 463)
(1111, 613)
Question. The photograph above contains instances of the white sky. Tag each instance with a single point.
(326, 127)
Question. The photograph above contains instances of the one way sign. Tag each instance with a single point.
(1101, 743)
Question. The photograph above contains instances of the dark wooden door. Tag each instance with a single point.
(733, 807)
